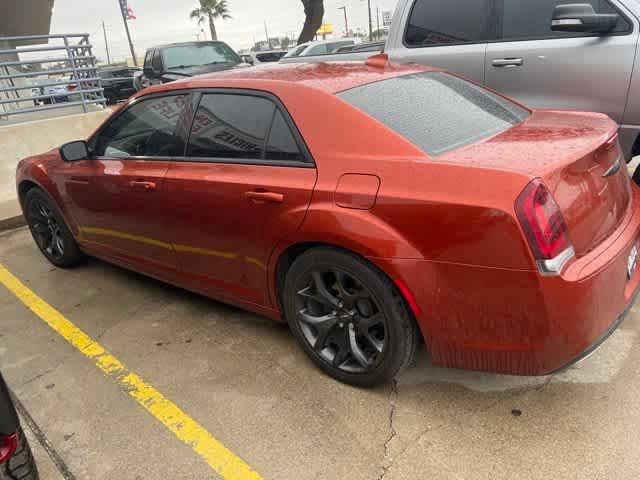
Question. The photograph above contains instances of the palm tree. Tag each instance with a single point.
(211, 10)
(314, 13)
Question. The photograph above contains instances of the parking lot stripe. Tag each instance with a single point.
(218, 457)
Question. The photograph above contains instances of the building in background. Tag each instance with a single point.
(24, 17)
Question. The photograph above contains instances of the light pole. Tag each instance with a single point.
(106, 43)
(370, 26)
(346, 23)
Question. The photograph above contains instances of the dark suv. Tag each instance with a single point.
(172, 62)
(16, 460)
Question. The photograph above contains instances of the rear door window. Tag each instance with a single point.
(446, 22)
(526, 19)
(436, 111)
(232, 127)
(281, 144)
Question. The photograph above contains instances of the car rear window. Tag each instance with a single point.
(436, 111)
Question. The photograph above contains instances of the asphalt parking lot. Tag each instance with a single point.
(243, 379)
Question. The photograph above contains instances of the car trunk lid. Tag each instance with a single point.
(579, 158)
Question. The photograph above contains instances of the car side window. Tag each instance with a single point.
(317, 50)
(146, 129)
(230, 126)
(281, 144)
(243, 127)
(524, 19)
(444, 22)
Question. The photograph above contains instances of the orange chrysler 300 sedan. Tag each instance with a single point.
(372, 206)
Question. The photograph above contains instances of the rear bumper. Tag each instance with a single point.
(516, 321)
(598, 343)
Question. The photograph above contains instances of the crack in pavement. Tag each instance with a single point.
(387, 460)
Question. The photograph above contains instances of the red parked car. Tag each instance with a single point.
(369, 205)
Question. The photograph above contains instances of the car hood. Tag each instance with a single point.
(201, 69)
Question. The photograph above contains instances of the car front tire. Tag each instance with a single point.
(49, 230)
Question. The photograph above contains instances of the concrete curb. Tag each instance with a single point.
(11, 223)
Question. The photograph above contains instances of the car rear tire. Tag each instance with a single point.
(49, 230)
(348, 317)
(21, 466)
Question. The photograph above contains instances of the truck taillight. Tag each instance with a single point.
(8, 446)
(544, 228)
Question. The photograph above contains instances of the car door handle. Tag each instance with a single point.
(264, 197)
(507, 62)
(142, 186)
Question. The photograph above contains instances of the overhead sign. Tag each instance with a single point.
(387, 17)
(325, 29)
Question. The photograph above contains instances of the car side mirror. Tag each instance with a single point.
(74, 151)
(581, 17)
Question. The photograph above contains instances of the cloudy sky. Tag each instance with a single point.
(160, 21)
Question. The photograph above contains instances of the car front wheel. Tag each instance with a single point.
(49, 230)
(348, 317)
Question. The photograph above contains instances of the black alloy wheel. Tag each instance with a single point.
(49, 230)
(46, 230)
(348, 317)
(342, 321)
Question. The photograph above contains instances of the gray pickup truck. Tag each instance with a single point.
(543, 53)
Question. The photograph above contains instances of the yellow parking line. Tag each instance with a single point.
(220, 459)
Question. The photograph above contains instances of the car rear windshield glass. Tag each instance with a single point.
(437, 112)
(185, 56)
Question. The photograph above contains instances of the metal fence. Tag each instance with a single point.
(60, 73)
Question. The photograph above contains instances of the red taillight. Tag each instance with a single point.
(72, 86)
(8, 446)
(544, 227)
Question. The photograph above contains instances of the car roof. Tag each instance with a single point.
(331, 77)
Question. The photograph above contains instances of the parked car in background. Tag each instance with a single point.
(117, 83)
(172, 62)
(543, 53)
(268, 56)
(57, 93)
(16, 460)
(505, 238)
(319, 47)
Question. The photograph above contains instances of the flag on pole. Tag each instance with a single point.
(127, 11)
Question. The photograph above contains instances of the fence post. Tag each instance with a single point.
(75, 73)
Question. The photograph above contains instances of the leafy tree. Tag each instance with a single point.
(211, 10)
(314, 13)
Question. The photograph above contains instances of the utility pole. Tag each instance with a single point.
(123, 8)
(266, 32)
(106, 43)
(346, 23)
(370, 25)
(377, 23)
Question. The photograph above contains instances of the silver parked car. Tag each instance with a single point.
(544, 53)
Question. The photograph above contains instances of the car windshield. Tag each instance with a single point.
(296, 51)
(436, 111)
(185, 56)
